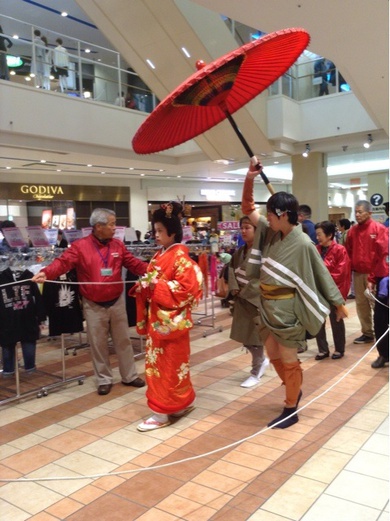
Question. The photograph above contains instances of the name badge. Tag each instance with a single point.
(106, 272)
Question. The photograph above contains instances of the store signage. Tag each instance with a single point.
(229, 225)
(13, 62)
(42, 191)
(72, 235)
(37, 236)
(14, 237)
(63, 192)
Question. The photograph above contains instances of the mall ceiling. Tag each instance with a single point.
(361, 53)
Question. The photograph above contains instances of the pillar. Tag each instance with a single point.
(139, 210)
(310, 183)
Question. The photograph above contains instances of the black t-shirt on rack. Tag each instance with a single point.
(21, 307)
(62, 305)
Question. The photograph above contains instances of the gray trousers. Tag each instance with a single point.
(257, 353)
(338, 332)
(102, 322)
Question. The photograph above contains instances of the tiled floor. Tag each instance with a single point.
(332, 465)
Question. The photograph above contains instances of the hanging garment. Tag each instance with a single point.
(62, 305)
(21, 307)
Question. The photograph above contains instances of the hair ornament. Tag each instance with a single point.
(168, 207)
(280, 212)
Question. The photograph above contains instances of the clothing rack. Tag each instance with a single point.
(42, 390)
(206, 315)
(74, 345)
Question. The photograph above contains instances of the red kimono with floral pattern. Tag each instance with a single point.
(165, 296)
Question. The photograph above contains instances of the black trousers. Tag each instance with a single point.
(381, 324)
(338, 332)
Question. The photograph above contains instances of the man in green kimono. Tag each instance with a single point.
(296, 289)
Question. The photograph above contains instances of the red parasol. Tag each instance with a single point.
(219, 89)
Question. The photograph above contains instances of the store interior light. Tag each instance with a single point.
(368, 141)
(307, 150)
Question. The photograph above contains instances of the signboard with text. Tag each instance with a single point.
(14, 237)
(227, 226)
(37, 236)
(72, 235)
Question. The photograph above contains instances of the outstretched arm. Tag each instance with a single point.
(248, 202)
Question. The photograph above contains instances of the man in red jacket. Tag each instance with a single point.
(378, 284)
(98, 260)
(360, 245)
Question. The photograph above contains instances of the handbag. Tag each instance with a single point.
(222, 288)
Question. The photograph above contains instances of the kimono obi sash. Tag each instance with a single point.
(271, 292)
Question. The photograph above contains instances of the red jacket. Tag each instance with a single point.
(360, 245)
(337, 261)
(380, 265)
(89, 257)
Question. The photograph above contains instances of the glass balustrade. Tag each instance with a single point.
(94, 73)
(311, 75)
(100, 74)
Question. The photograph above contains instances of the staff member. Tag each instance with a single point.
(99, 258)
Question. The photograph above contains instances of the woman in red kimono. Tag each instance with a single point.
(171, 287)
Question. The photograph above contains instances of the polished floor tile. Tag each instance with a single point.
(231, 466)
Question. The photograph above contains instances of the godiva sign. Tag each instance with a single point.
(42, 191)
(63, 192)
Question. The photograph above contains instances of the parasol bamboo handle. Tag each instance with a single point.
(249, 151)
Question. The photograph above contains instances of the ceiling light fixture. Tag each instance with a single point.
(307, 150)
(64, 13)
(186, 53)
(150, 63)
(368, 141)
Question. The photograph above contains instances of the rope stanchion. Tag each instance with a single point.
(204, 455)
(69, 282)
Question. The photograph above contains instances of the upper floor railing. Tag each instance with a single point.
(310, 76)
(93, 72)
(101, 74)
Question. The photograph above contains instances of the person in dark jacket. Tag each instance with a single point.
(304, 214)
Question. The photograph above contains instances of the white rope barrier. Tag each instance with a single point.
(68, 282)
(204, 455)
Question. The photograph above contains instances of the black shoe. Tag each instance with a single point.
(364, 339)
(351, 296)
(379, 362)
(138, 382)
(337, 355)
(287, 411)
(104, 389)
(321, 356)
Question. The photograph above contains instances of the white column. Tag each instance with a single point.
(310, 183)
